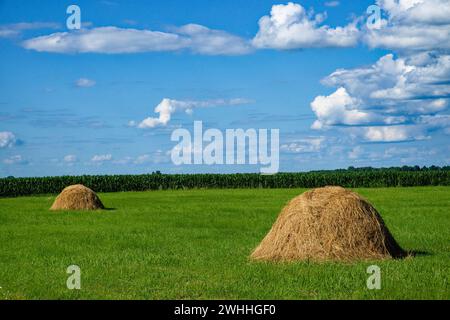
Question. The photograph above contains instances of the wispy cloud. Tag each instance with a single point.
(70, 158)
(156, 157)
(114, 40)
(15, 160)
(100, 158)
(304, 145)
(85, 83)
(167, 107)
(331, 3)
(16, 29)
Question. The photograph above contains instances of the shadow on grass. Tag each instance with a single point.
(418, 253)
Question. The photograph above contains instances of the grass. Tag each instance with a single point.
(195, 245)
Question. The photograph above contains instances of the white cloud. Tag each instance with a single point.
(114, 40)
(391, 81)
(394, 133)
(385, 73)
(413, 37)
(338, 108)
(212, 42)
(84, 83)
(7, 33)
(310, 144)
(7, 139)
(291, 27)
(17, 159)
(70, 158)
(412, 25)
(156, 157)
(395, 99)
(167, 107)
(415, 25)
(106, 40)
(15, 29)
(417, 11)
(101, 158)
(332, 3)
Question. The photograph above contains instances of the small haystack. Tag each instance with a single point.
(77, 197)
(329, 223)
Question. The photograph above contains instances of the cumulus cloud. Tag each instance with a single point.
(385, 73)
(395, 99)
(291, 27)
(167, 107)
(338, 108)
(101, 158)
(415, 25)
(114, 40)
(7, 139)
(390, 82)
(412, 25)
(417, 11)
(84, 83)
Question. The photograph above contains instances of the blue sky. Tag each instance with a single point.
(75, 101)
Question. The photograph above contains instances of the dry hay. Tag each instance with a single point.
(77, 197)
(329, 223)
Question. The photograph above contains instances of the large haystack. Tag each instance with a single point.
(329, 223)
(77, 197)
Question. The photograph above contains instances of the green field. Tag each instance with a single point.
(195, 244)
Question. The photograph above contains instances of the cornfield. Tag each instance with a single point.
(352, 178)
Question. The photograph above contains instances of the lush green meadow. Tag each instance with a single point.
(194, 244)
